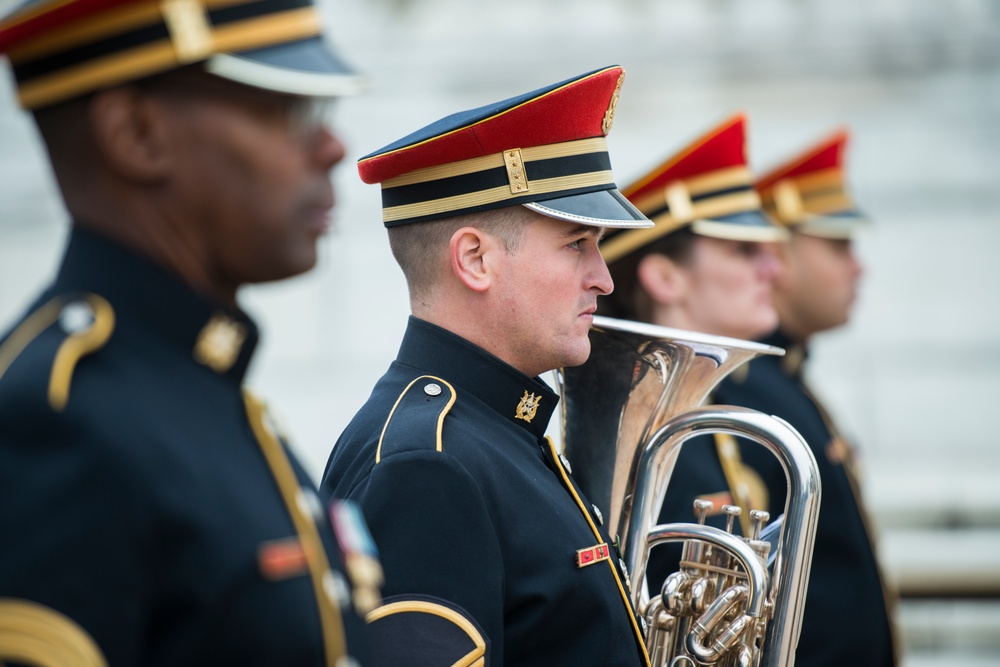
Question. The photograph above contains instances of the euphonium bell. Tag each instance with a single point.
(625, 414)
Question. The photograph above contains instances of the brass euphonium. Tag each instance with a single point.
(626, 413)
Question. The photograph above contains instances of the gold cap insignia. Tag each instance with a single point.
(609, 115)
(528, 406)
(515, 171)
(190, 31)
(219, 343)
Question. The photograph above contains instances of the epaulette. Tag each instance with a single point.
(417, 418)
(86, 320)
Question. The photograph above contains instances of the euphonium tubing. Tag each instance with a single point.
(626, 412)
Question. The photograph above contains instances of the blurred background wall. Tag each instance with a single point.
(914, 379)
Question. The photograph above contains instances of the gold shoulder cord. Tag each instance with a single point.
(78, 345)
(38, 635)
(319, 567)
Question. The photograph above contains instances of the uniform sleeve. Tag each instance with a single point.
(69, 535)
(442, 561)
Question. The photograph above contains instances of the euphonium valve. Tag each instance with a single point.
(626, 413)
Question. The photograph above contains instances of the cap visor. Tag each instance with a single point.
(604, 208)
(748, 226)
(843, 225)
(307, 67)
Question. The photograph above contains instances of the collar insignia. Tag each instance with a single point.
(219, 343)
(528, 406)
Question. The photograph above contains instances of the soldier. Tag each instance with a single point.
(706, 266)
(491, 553)
(848, 613)
(149, 512)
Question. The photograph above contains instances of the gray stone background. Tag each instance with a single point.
(914, 379)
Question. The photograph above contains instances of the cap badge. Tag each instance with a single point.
(591, 555)
(788, 201)
(528, 406)
(219, 343)
(609, 115)
(679, 201)
(189, 29)
(515, 171)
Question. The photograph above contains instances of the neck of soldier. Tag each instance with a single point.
(472, 316)
(791, 323)
(152, 227)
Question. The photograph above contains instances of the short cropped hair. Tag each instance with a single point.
(420, 247)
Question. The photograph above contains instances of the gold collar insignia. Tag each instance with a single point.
(219, 343)
(528, 406)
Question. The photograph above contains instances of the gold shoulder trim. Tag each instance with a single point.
(33, 633)
(432, 388)
(27, 331)
(77, 345)
(473, 658)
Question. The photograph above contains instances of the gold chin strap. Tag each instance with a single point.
(37, 635)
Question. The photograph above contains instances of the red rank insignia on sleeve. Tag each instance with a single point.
(591, 555)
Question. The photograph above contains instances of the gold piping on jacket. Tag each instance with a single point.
(39, 635)
(471, 659)
(334, 640)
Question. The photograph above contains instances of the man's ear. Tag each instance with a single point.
(662, 278)
(471, 253)
(131, 134)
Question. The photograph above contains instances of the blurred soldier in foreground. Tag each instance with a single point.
(492, 555)
(149, 513)
(707, 266)
(847, 617)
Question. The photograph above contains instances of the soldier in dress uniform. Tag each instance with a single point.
(848, 612)
(707, 265)
(150, 513)
(492, 554)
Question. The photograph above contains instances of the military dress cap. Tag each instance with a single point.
(61, 49)
(808, 193)
(545, 149)
(707, 186)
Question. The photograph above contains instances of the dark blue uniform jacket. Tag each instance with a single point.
(137, 507)
(846, 619)
(477, 519)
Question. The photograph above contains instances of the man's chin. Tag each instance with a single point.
(578, 356)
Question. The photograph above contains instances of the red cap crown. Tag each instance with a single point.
(722, 148)
(825, 156)
(573, 110)
(545, 150)
(809, 191)
(707, 186)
